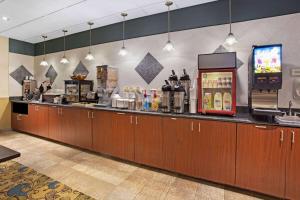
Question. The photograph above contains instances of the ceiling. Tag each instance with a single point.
(30, 19)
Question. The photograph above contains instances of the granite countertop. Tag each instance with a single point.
(243, 117)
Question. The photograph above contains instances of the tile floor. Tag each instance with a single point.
(105, 178)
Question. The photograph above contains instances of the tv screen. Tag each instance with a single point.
(267, 59)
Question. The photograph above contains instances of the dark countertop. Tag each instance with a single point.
(242, 117)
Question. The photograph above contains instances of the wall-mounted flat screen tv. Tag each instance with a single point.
(267, 59)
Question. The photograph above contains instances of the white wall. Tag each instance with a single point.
(15, 61)
(188, 44)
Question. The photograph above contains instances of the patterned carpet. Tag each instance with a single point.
(20, 182)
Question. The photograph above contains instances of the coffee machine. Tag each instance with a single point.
(28, 89)
(186, 83)
(166, 97)
(265, 79)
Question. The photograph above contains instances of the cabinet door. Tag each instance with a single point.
(293, 164)
(102, 130)
(32, 120)
(122, 137)
(42, 121)
(177, 144)
(17, 122)
(69, 118)
(54, 123)
(148, 140)
(261, 158)
(83, 137)
(214, 151)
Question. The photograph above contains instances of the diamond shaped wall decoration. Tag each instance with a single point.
(148, 68)
(51, 73)
(222, 49)
(20, 74)
(81, 69)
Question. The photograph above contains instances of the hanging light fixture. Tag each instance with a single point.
(44, 63)
(123, 51)
(169, 46)
(230, 40)
(64, 59)
(90, 56)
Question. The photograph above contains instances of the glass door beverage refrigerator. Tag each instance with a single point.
(217, 83)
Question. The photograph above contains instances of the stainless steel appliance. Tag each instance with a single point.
(179, 98)
(265, 76)
(28, 89)
(186, 83)
(166, 98)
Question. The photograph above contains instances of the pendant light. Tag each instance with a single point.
(44, 63)
(123, 51)
(169, 46)
(230, 40)
(90, 56)
(64, 59)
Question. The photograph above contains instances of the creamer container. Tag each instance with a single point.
(227, 101)
(218, 101)
(207, 101)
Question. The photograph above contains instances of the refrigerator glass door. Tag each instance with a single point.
(217, 91)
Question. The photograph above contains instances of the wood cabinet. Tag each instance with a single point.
(55, 123)
(38, 120)
(121, 139)
(19, 122)
(261, 159)
(213, 151)
(148, 140)
(102, 130)
(177, 145)
(83, 128)
(69, 119)
(293, 164)
(203, 149)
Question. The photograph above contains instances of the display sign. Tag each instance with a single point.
(267, 59)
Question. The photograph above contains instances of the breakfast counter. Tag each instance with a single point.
(241, 117)
(220, 149)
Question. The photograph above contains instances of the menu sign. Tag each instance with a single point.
(267, 59)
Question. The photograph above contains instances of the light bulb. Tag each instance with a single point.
(64, 60)
(89, 56)
(230, 40)
(169, 46)
(123, 51)
(44, 63)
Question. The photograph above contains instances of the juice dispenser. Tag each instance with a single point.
(265, 76)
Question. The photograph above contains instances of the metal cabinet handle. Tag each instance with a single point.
(293, 137)
(199, 127)
(131, 120)
(61, 111)
(120, 113)
(192, 126)
(92, 115)
(281, 136)
(89, 114)
(173, 119)
(136, 120)
(19, 117)
(261, 127)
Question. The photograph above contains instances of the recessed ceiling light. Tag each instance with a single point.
(5, 18)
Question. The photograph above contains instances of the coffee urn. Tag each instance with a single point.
(186, 83)
(179, 93)
(166, 98)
